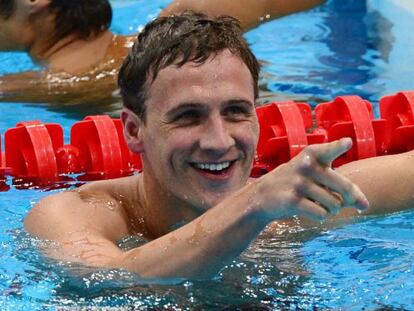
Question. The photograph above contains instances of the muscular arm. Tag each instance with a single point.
(87, 223)
(44, 87)
(249, 12)
(387, 182)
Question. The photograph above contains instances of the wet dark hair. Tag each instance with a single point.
(6, 8)
(82, 17)
(179, 39)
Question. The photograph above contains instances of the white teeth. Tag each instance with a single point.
(212, 166)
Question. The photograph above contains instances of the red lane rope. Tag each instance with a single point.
(98, 150)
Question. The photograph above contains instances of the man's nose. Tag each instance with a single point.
(216, 137)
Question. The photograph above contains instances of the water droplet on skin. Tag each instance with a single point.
(110, 205)
(192, 242)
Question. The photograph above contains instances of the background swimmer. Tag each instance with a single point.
(80, 55)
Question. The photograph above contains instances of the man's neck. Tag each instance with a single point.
(71, 54)
(163, 212)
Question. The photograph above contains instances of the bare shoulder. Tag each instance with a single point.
(88, 82)
(98, 208)
(123, 189)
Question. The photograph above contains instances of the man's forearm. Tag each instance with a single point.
(386, 181)
(20, 86)
(40, 87)
(249, 13)
(202, 247)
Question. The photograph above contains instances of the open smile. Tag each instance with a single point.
(214, 171)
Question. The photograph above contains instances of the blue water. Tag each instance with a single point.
(345, 47)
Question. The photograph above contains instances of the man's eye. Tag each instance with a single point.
(188, 116)
(237, 112)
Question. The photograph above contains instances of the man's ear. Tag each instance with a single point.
(132, 126)
(35, 6)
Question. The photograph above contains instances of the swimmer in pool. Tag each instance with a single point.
(70, 38)
(189, 87)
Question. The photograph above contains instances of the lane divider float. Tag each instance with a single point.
(35, 151)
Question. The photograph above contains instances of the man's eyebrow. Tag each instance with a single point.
(239, 101)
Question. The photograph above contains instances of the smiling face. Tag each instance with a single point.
(201, 130)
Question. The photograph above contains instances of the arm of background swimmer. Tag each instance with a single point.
(387, 182)
(87, 228)
(13, 86)
(249, 12)
(41, 87)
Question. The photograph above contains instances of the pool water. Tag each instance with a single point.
(345, 47)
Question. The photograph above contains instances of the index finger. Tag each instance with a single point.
(330, 151)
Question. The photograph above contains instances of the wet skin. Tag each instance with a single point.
(81, 71)
(76, 70)
(194, 201)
